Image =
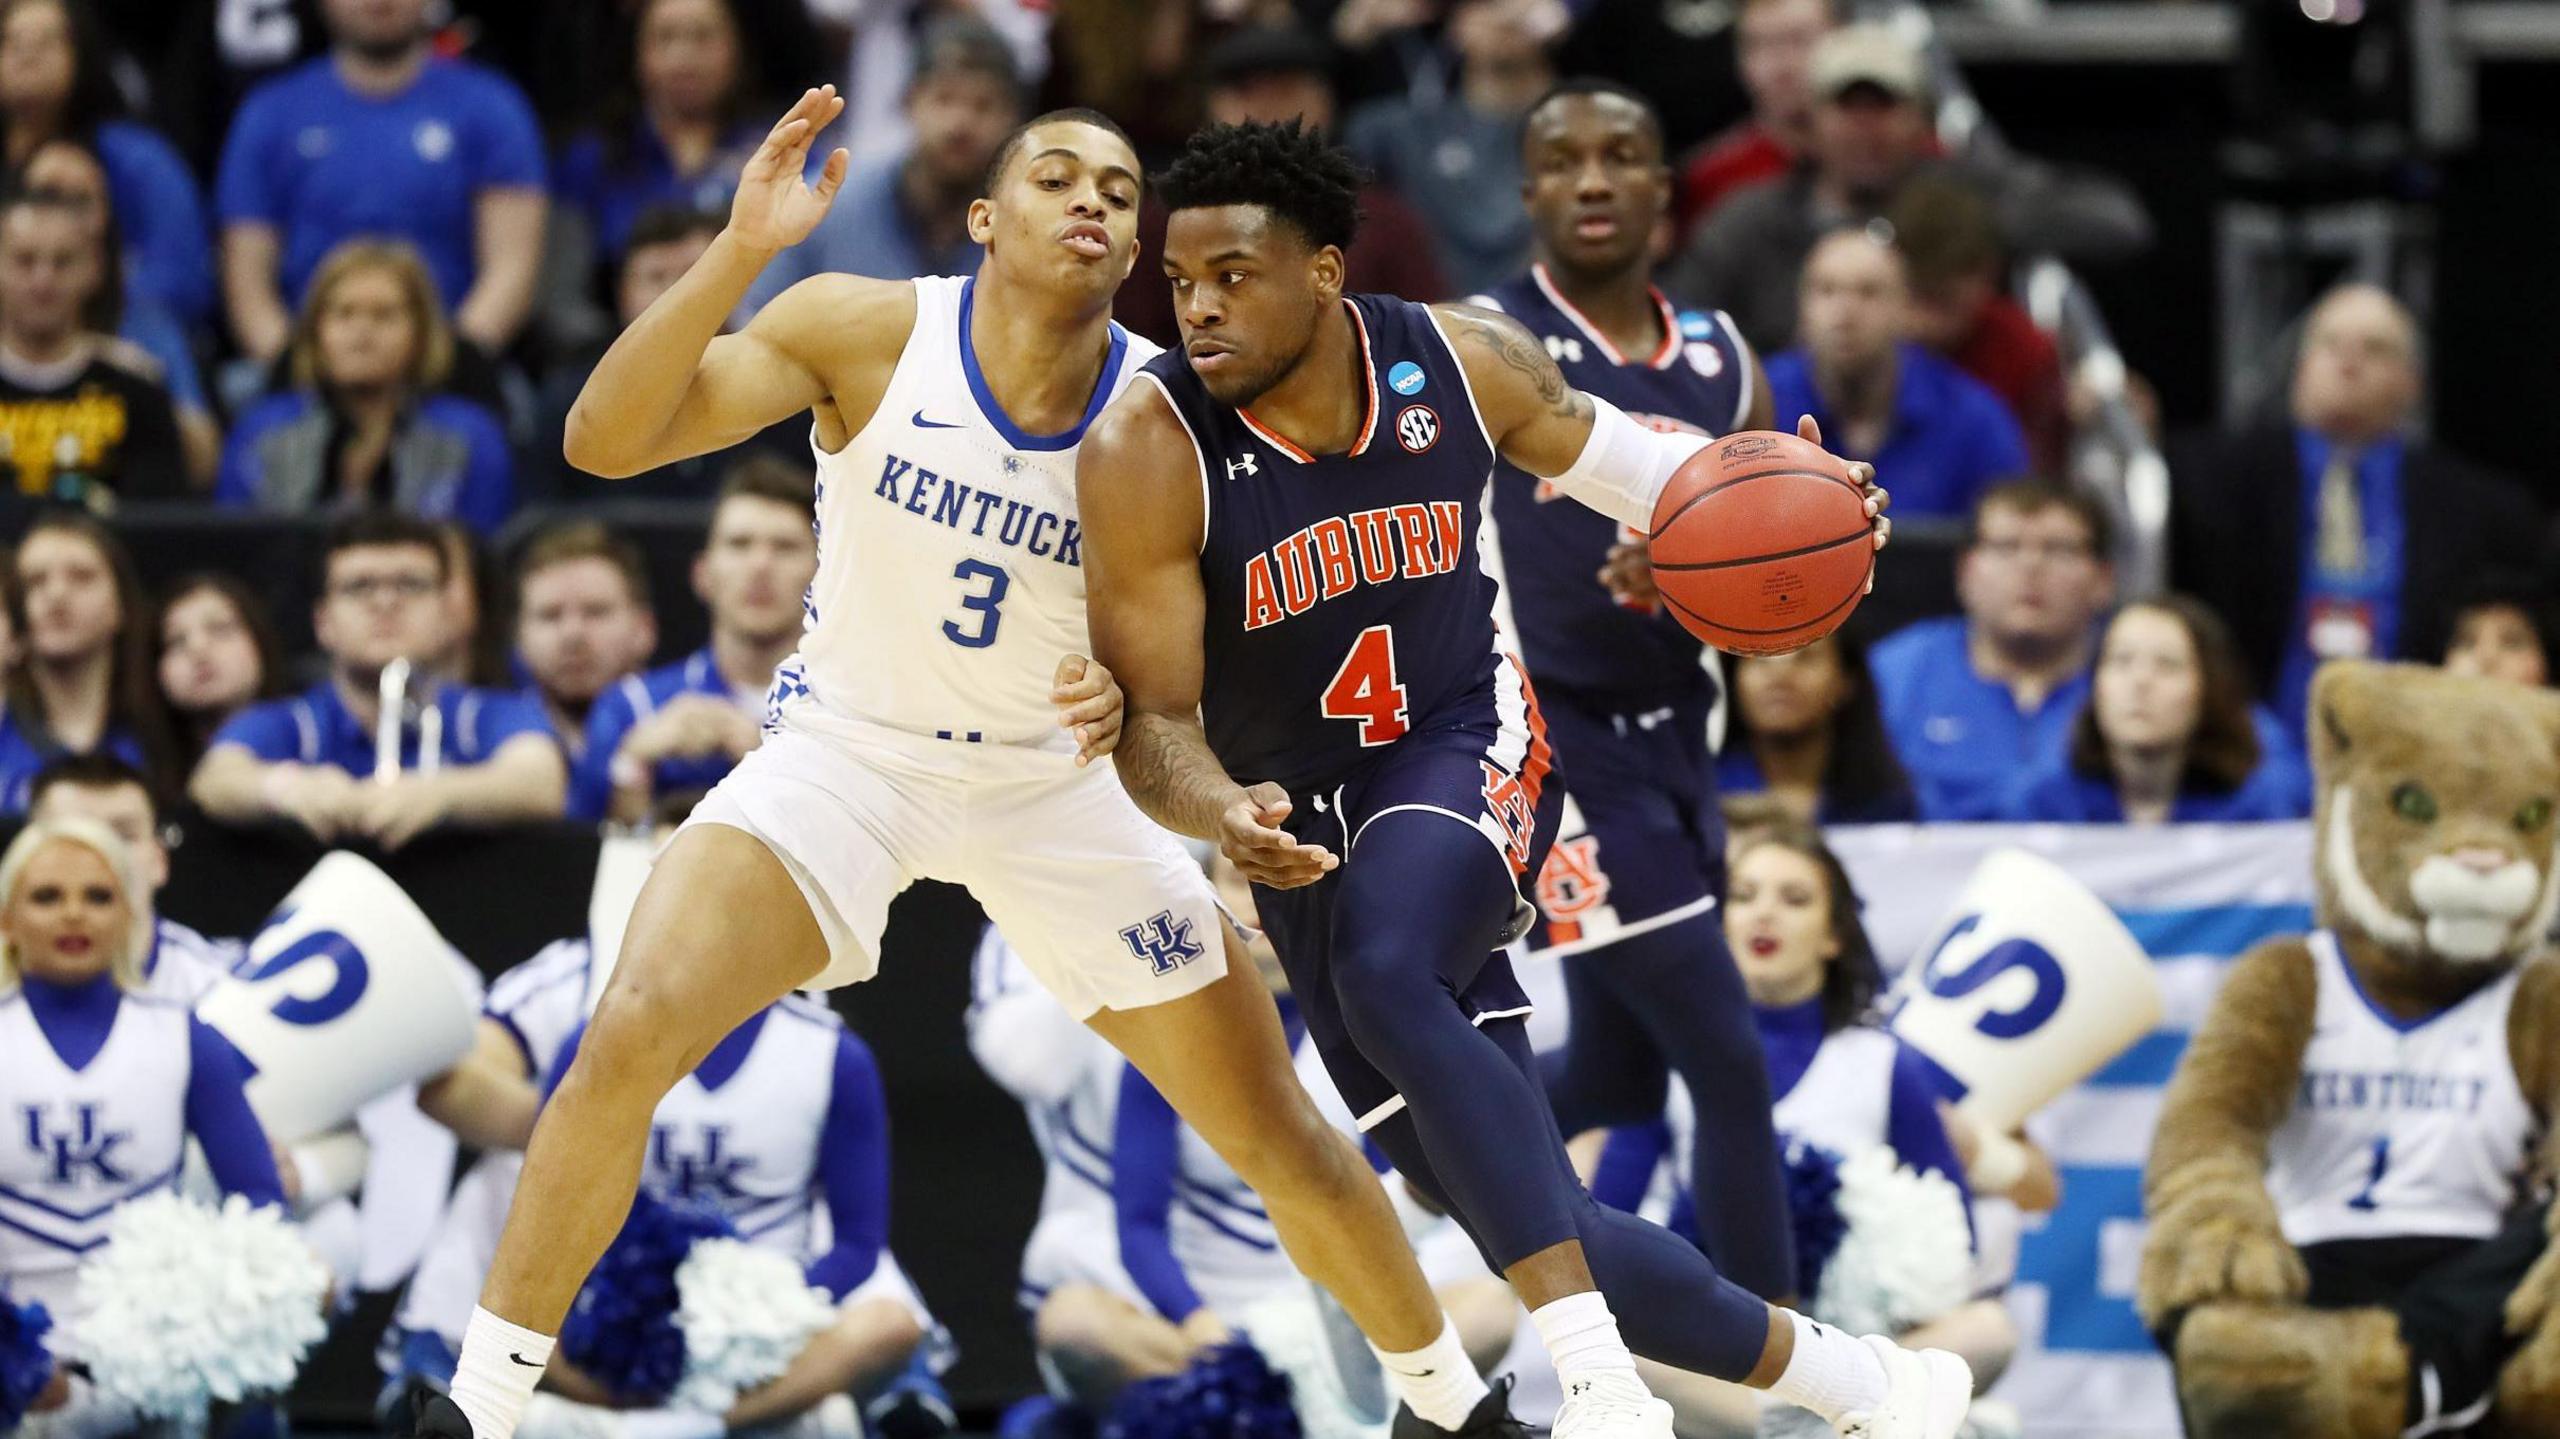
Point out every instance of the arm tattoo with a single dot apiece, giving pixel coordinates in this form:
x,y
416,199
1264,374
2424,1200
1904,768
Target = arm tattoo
x,y
1166,766
1514,347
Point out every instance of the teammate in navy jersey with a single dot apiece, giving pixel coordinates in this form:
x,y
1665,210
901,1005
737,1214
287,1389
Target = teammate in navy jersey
x,y
1282,571
1627,895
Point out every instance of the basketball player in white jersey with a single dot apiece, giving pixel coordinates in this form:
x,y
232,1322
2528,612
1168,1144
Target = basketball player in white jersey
x,y
938,721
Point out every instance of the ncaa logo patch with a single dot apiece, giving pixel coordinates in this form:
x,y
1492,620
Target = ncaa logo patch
x,y
1406,378
1417,429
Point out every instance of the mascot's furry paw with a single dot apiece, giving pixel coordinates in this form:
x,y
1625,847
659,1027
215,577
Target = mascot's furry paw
x,y
2263,1371
2233,1255
2529,1387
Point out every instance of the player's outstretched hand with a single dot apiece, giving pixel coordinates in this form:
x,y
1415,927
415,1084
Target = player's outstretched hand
x,y
1249,835
775,205
1864,475
1089,704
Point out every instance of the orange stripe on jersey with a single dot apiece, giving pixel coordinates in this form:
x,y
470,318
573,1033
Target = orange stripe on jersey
x,y
1542,756
1369,380
1273,439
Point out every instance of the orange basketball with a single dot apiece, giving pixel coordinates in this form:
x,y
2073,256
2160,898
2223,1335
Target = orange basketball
x,y
1760,543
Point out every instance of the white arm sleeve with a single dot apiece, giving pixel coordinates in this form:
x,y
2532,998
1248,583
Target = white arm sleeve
x,y
1624,466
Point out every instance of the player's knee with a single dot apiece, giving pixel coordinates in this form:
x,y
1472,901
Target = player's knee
x,y
1382,982
642,1034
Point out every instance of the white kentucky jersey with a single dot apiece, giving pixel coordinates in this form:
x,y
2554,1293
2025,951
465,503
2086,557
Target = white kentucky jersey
x,y
950,560
1067,1079
2400,1127
184,966
748,1145
1844,1099
80,1142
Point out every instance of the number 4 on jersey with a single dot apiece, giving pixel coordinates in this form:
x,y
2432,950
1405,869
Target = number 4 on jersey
x,y
1365,688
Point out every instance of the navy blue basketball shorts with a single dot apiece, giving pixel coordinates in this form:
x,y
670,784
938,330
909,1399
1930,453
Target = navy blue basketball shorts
x,y
1487,786
1640,843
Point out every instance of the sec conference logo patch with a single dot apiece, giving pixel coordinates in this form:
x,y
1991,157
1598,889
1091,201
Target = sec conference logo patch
x,y
1417,429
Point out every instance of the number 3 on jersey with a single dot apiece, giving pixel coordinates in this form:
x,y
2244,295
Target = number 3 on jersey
x,y
983,605
1365,688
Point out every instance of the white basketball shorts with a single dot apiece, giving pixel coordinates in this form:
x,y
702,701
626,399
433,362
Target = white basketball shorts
x,y
1105,907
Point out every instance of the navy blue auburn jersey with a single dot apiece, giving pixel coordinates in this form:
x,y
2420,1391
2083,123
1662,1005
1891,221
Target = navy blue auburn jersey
x,y
1347,606
1571,633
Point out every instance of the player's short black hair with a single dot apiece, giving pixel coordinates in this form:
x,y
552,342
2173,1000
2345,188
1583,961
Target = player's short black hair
x,y
1289,169
1012,146
1593,85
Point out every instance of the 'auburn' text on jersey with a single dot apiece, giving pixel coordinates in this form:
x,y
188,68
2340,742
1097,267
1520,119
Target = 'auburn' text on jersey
x,y
1346,603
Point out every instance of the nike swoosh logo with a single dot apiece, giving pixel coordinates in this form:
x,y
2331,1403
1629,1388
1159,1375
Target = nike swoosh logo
x,y
520,1359
922,423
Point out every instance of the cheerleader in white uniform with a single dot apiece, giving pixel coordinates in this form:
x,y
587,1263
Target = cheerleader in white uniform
x,y
104,1084
784,1130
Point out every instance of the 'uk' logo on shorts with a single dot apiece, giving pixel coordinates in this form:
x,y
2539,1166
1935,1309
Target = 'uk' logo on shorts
x,y
1165,943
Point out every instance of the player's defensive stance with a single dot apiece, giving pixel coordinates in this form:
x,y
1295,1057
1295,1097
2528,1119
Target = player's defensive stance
x,y
936,722
1281,528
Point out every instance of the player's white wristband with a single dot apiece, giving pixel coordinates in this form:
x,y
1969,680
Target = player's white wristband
x,y
1624,466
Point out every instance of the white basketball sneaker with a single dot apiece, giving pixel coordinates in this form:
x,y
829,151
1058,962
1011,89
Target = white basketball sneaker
x,y
1612,1406
1926,1395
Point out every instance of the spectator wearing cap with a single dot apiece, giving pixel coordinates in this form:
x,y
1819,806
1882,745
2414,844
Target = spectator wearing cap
x,y
1872,134
1455,153
908,215
2336,531
1774,42
382,138
1959,311
1273,73
1936,434
674,132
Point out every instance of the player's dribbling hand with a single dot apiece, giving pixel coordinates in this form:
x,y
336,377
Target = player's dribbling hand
x,y
1249,835
1089,706
775,205
1864,476
1627,574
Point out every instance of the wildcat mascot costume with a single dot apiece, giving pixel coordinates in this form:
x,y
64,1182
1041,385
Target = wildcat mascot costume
x,y
2349,1191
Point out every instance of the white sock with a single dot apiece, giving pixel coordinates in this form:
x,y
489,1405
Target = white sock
x,y
501,1362
1582,1338
1831,1373
1438,1381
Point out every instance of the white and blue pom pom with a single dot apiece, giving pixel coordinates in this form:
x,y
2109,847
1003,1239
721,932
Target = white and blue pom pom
x,y
1907,1255
746,1314
187,1305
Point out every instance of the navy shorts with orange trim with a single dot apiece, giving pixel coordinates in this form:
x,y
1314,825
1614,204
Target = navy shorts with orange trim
x,y
1450,770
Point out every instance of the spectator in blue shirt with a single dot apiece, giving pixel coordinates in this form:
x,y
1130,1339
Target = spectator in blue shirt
x,y
674,133
218,655
79,674
1969,700
381,138
1804,727
469,756
900,218
583,622
55,85
2166,735
1937,433
75,174
366,423
667,735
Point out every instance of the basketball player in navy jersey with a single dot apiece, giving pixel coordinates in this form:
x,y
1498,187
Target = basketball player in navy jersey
x,y
1628,892
1282,571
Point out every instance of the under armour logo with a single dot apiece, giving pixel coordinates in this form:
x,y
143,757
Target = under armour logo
x,y
1166,944
1564,349
80,1150
705,1173
1244,466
